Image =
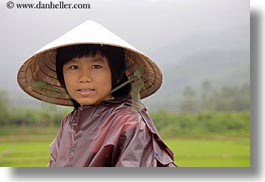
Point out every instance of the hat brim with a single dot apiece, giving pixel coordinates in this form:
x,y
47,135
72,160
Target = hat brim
x,y
38,78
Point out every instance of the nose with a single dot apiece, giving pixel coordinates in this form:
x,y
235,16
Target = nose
x,y
84,76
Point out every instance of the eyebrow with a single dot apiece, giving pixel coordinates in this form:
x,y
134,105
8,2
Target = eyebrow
x,y
97,59
93,59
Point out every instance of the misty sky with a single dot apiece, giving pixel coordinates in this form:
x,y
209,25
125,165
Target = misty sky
x,y
149,25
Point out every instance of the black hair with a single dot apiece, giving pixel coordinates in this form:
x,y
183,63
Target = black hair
x,y
114,55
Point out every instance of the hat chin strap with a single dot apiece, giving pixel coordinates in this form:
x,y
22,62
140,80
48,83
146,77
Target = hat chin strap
x,y
137,84
136,88
122,85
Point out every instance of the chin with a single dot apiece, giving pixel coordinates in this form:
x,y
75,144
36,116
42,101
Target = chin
x,y
84,103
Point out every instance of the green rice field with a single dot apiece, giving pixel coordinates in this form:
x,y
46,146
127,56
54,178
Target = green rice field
x,y
211,152
28,147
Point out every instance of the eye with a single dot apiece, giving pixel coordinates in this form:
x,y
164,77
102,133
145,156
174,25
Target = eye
x,y
73,67
96,66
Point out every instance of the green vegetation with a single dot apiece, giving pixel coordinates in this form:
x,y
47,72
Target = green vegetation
x,y
24,154
28,147
202,124
210,131
197,140
210,99
215,152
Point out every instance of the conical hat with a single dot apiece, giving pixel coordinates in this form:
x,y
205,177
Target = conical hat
x,y
37,75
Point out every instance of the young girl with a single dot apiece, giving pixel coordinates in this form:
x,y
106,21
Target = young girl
x,y
103,78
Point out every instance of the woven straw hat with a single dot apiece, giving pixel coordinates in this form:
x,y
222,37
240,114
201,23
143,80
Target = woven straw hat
x,y
37,75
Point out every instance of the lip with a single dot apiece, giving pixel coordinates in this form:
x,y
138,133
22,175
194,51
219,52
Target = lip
x,y
85,91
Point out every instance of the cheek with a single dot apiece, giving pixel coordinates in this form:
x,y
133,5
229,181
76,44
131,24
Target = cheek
x,y
68,80
109,80
106,81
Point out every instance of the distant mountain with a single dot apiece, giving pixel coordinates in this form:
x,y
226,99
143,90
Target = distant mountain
x,y
222,59
220,68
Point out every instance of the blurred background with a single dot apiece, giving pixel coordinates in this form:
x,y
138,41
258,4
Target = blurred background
x,y
202,110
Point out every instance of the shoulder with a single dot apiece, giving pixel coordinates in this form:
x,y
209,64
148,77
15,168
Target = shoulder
x,y
127,116
136,113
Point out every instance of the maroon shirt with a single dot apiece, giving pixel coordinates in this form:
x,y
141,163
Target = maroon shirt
x,y
109,135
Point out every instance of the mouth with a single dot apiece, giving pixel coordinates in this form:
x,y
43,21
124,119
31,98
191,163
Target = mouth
x,y
85,92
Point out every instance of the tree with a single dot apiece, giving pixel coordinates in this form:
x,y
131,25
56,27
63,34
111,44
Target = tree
x,y
4,107
206,94
189,103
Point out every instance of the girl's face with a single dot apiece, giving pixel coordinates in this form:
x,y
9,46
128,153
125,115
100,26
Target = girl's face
x,y
88,79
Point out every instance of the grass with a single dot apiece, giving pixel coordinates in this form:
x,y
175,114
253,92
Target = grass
x,y
25,146
28,147
211,152
24,154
